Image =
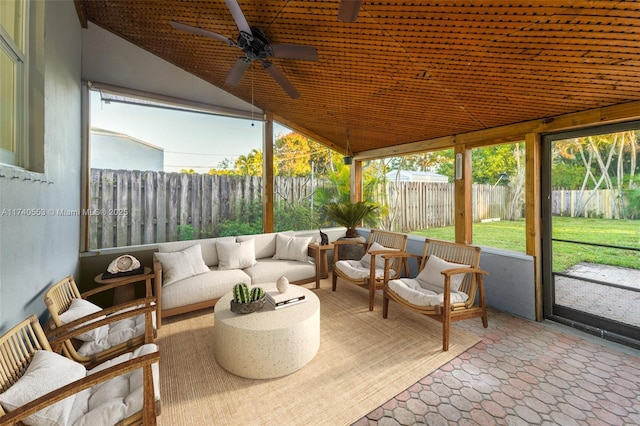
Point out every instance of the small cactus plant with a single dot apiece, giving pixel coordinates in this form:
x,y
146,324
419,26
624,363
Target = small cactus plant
x,y
242,294
256,293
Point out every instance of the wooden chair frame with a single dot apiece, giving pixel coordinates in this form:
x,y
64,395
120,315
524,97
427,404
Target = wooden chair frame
x,y
472,285
393,240
20,343
58,299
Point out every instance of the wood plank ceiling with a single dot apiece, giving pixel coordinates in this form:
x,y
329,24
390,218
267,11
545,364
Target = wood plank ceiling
x,y
404,71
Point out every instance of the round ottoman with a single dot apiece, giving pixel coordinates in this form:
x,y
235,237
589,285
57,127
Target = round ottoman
x,y
268,343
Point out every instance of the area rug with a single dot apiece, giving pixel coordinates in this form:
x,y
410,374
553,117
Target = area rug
x,y
363,361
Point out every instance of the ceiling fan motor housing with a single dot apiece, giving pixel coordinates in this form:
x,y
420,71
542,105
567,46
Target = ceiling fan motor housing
x,y
255,45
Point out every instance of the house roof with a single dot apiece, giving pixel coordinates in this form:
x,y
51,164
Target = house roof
x,y
403,71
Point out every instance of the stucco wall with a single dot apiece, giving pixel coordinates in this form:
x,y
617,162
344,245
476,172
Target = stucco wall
x,y
38,250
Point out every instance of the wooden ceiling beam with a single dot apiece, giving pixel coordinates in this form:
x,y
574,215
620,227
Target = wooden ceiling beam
x,y
514,132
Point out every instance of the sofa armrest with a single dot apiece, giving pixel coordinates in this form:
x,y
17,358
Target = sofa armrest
x,y
157,289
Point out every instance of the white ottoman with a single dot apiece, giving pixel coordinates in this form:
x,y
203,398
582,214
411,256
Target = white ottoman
x,y
268,343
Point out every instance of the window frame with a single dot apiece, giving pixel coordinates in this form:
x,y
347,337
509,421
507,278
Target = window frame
x,y
18,53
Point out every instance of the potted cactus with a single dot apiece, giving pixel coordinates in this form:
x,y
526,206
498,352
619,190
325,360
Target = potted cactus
x,y
247,300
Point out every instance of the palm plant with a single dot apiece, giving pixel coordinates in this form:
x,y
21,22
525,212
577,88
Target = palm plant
x,y
351,215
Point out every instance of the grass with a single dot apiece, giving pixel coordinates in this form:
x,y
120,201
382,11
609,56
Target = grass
x,y
510,235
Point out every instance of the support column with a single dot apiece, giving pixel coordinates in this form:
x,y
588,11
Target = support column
x,y
355,182
533,218
267,175
463,213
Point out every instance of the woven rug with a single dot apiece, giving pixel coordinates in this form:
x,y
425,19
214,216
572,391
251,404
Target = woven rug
x,y
363,361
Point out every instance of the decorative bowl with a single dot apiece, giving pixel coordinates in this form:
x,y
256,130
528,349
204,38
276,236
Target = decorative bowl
x,y
247,308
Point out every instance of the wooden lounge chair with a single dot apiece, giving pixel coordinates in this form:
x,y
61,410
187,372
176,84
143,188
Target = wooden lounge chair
x,y
369,271
445,290
27,358
113,336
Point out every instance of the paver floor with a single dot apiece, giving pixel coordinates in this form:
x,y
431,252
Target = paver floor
x,y
523,373
618,304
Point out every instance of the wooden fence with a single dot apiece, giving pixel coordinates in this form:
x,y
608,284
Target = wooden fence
x,y
131,207
136,207
141,207
595,203
422,205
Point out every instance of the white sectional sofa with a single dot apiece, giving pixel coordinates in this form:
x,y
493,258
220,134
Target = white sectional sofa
x,y
191,275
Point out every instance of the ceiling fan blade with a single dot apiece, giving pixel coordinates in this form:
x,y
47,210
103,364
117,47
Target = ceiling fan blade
x,y
281,79
238,16
349,10
235,75
293,51
199,31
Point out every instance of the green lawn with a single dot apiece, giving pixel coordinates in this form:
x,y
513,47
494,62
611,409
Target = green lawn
x,y
510,235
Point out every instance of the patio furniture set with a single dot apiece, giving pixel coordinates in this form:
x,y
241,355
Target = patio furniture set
x,y
85,353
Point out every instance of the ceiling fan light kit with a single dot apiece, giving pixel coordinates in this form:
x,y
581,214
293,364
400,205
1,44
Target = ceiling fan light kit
x,y
256,47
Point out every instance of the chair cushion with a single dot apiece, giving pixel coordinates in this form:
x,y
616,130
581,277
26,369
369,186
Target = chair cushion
x,y
366,259
290,247
355,270
114,400
182,264
412,291
80,308
46,372
117,332
238,255
431,277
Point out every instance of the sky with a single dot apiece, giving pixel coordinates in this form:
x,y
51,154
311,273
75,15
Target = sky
x,y
190,140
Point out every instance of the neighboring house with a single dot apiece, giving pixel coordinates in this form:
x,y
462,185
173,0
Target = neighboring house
x,y
414,176
119,151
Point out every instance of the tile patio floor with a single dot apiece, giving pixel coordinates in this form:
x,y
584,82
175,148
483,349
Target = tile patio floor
x,y
523,373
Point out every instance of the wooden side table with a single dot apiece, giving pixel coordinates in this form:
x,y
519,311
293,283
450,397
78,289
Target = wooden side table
x,y
124,292
319,253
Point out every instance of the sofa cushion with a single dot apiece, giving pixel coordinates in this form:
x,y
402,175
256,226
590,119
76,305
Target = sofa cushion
x,y
81,308
179,265
208,246
238,255
265,244
210,286
46,372
289,247
269,270
431,277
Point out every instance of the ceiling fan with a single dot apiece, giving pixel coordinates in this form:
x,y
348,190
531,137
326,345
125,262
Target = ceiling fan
x,y
256,47
349,9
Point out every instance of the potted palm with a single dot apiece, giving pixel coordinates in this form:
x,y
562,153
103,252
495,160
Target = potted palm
x,y
351,215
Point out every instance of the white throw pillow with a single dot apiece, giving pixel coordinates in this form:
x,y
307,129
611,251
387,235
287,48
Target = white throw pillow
x,y
431,278
236,255
183,264
81,308
366,259
292,248
47,372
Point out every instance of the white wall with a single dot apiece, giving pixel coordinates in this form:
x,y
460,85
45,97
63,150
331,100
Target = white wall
x,y
109,59
36,251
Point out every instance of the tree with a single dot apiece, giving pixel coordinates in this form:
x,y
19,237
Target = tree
x,y
251,164
607,161
296,156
